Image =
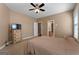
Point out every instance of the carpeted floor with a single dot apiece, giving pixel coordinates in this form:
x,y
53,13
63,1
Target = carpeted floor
x,y
57,46
44,45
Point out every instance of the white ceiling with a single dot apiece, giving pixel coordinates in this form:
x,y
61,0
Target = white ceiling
x,y
51,8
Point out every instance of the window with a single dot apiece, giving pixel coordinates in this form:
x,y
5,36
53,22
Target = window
x,y
76,26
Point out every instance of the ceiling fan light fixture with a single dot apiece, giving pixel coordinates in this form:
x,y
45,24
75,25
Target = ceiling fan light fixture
x,y
36,10
37,7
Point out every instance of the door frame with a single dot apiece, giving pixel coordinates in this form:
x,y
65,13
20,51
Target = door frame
x,y
48,24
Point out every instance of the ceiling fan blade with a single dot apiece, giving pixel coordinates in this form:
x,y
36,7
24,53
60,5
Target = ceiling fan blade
x,y
32,4
31,9
42,9
41,5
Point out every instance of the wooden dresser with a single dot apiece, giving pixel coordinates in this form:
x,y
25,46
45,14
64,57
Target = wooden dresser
x,y
16,36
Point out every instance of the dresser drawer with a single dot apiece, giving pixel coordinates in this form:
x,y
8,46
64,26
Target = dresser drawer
x,y
17,40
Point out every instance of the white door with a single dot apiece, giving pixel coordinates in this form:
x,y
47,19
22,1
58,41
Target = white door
x,y
35,29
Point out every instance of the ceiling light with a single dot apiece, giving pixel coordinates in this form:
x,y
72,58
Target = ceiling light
x,y
36,10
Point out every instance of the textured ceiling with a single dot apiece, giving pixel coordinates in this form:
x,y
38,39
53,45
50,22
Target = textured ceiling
x,y
51,8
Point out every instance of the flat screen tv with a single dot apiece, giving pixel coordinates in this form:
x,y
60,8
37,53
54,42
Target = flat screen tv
x,y
15,26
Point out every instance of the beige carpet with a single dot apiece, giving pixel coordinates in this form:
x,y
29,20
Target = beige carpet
x,y
57,46
44,45
19,48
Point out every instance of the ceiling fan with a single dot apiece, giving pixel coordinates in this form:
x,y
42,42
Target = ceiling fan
x,y
37,7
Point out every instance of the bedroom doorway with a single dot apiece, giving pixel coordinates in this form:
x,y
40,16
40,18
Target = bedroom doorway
x,y
39,29
50,28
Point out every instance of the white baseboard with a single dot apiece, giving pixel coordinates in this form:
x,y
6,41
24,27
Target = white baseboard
x,y
28,37
1,47
8,42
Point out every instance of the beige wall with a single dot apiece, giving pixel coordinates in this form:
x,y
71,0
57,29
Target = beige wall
x,y
26,22
8,17
4,22
63,21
